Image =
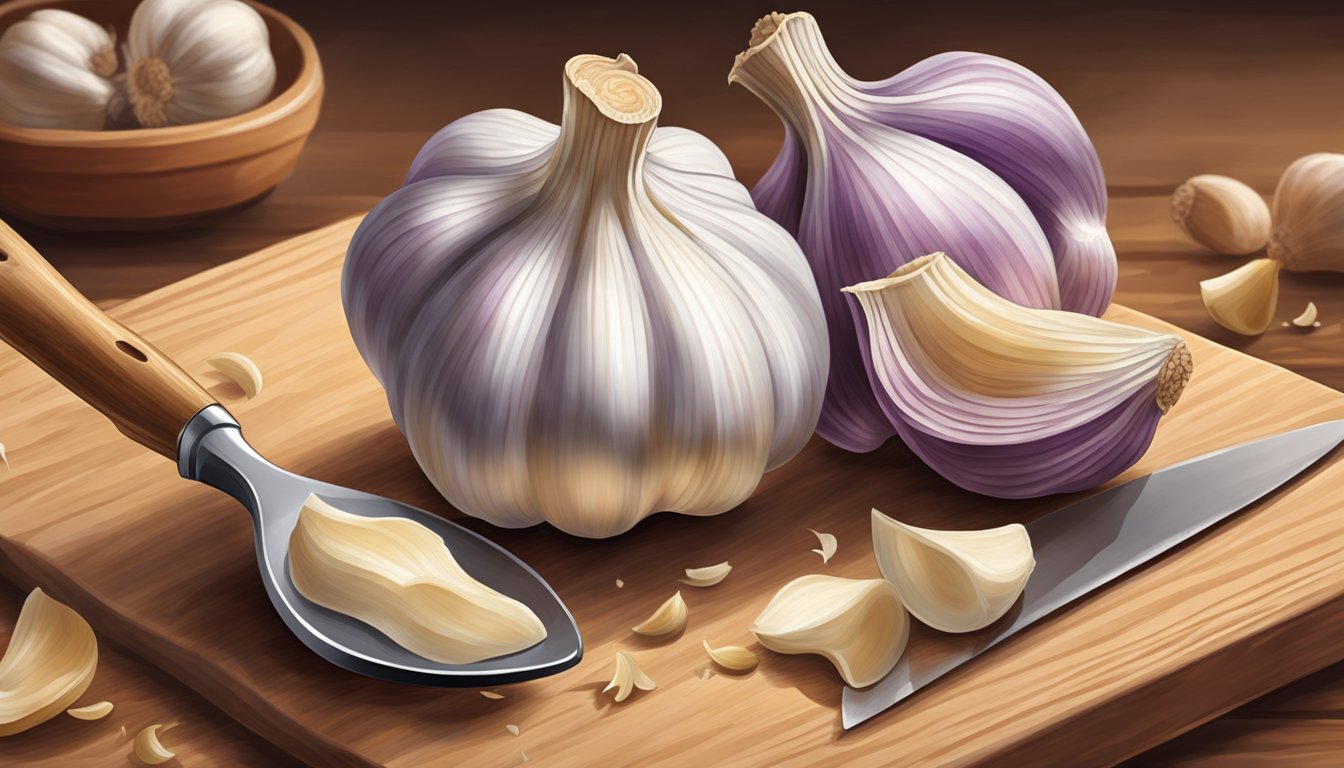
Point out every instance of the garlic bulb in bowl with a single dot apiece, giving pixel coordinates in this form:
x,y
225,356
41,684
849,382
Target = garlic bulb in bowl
x,y
586,323
189,61
54,71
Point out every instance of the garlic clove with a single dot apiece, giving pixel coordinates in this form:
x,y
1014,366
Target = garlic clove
x,y
707,576
1308,317
1309,215
954,581
48,665
828,545
148,749
96,711
859,625
1221,214
513,729
732,657
1243,300
627,677
1010,401
396,575
54,70
240,369
670,617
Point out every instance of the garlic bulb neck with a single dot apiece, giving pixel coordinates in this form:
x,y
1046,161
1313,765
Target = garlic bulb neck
x,y
149,85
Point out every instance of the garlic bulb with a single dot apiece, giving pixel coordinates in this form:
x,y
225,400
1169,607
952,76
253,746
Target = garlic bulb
x,y
48,665
1309,215
954,581
1244,300
963,153
857,624
398,576
589,323
194,60
1010,401
54,71
1221,214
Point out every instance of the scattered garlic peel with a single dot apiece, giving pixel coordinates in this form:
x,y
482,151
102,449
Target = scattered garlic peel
x,y
95,711
398,576
627,677
732,657
707,576
954,581
48,665
828,545
511,728
149,749
859,625
620,583
240,369
1243,300
492,695
1308,317
670,617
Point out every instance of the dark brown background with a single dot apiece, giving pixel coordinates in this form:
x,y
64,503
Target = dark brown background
x,y
1167,90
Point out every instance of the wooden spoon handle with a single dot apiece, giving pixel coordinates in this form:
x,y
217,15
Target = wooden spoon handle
x,y
108,366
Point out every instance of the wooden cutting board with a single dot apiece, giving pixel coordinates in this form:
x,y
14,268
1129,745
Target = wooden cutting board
x,y
166,568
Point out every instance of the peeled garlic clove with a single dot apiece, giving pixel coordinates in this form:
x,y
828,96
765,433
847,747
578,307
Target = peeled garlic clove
x,y
1244,300
398,576
828,545
627,677
48,665
54,70
732,657
148,749
1010,401
1221,214
513,729
670,617
1309,215
859,625
954,581
240,369
707,576
95,711
1308,317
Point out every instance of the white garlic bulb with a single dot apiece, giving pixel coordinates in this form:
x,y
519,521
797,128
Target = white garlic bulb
x,y
586,323
189,61
54,71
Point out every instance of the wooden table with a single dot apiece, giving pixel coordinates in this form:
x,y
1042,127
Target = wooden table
x,y
1166,91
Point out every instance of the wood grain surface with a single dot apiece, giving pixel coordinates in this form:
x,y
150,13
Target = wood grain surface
x,y
166,567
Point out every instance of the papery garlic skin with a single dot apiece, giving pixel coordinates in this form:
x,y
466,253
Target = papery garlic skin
x,y
398,576
864,197
189,61
55,70
954,581
50,662
1222,214
857,624
1309,215
589,323
1009,401
1243,300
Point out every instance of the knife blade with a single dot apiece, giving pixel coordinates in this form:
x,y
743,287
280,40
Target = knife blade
x,y
1085,545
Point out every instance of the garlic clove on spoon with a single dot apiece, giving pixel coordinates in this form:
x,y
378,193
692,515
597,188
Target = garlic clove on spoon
x,y
1243,300
1309,215
48,665
55,70
1222,214
859,625
954,581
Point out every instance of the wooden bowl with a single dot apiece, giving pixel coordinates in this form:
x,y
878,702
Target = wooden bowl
x,y
148,178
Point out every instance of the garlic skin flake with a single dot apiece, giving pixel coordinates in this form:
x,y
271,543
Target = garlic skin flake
x,y
588,323
148,749
48,665
732,657
962,152
1243,301
398,576
829,545
707,576
1009,401
240,369
95,711
670,617
857,624
54,72
954,581
627,677
1222,214
1309,215
1308,317
189,61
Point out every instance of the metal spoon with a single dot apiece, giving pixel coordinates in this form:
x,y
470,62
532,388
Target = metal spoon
x,y
158,405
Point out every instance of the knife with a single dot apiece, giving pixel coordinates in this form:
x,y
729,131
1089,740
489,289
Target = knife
x,y
1084,546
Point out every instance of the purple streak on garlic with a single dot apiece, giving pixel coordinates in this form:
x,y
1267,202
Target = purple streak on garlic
x,y
586,323
864,198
